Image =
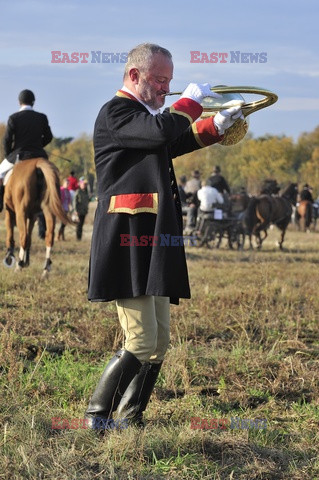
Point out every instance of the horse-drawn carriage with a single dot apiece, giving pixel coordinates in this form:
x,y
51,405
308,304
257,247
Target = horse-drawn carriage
x,y
248,216
224,222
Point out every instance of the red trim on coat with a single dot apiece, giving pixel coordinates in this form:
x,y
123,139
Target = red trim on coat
x,y
188,108
122,93
134,203
205,132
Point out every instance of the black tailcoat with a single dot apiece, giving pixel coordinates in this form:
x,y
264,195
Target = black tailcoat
x,y
138,196
26,134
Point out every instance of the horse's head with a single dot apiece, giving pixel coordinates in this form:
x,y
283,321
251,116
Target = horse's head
x,y
270,187
291,193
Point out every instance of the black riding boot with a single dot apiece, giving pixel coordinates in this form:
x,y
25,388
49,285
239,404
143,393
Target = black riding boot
x,y
115,379
1,197
138,393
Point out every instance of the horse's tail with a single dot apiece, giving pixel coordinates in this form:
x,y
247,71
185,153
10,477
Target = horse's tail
x,y
250,217
52,192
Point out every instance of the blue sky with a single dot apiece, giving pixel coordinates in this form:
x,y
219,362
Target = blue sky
x,y
72,94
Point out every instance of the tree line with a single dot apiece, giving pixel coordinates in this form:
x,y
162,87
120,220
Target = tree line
x,y
254,160
246,164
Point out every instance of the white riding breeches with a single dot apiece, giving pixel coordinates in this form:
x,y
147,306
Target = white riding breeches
x,y
5,166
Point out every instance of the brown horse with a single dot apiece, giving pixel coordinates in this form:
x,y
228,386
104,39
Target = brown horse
x,y
266,210
33,186
304,214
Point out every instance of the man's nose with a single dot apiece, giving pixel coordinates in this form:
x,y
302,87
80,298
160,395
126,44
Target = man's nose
x,y
165,86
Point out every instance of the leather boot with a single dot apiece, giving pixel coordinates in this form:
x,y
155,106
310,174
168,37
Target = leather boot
x,y
138,393
1,196
115,379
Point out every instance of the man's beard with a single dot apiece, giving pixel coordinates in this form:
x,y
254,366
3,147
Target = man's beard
x,y
150,96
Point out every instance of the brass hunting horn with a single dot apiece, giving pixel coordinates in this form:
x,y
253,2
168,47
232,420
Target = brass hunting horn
x,y
239,129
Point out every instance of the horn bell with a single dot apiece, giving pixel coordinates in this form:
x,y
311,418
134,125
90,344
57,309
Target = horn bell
x,y
239,129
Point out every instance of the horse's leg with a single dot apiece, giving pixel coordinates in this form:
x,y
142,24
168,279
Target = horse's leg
x,y
265,236
303,223
250,241
256,232
22,224
30,225
262,227
309,215
282,238
49,240
9,222
297,219
258,240
314,224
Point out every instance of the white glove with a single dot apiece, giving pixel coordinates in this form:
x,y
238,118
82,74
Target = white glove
x,y
226,118
198,91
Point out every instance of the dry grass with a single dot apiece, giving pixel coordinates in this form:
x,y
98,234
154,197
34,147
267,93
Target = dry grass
x,y
246,345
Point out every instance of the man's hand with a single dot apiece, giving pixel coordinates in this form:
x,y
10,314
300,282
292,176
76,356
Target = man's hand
x,y
226,118
198,91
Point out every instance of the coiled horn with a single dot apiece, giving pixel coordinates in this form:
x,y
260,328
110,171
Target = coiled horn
x,y
239,129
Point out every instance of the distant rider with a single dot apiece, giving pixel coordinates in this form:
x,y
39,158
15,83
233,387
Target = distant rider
x,y
306,194
26,134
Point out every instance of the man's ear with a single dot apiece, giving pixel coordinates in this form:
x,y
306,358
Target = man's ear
x,y
134,75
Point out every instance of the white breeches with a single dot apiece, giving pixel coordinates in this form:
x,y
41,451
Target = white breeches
x,y
5,166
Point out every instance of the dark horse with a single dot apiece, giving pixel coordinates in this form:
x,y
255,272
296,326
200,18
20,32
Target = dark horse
x,y
265,210
33,186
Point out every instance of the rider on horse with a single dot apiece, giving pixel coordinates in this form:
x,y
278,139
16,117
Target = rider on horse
x,y
26,134
305,193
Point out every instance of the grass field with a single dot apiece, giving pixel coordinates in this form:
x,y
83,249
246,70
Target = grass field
x,y
245,347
